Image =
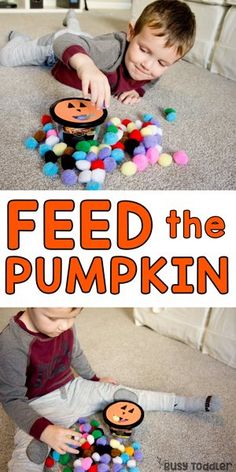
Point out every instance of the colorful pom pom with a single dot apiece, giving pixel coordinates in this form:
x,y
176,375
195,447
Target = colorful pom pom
x,y
141,162
31,143
109,164
129,168
181,158
46,119
82,146
69,177
165,160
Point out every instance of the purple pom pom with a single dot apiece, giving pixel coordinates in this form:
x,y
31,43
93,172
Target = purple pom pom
x,y
155,122
151,141
91,156
102,441
87,427
109,164
69,177
139,150
105,458
138,455
104,152
82,420
103,468
117,467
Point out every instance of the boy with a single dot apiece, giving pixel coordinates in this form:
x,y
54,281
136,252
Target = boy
x,y
124,65
39,392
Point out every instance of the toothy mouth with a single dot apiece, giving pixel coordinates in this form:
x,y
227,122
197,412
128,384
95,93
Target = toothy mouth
x,y
82,117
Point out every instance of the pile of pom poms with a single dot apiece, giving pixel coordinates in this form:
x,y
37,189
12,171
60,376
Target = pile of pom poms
x,y
88,162
97,453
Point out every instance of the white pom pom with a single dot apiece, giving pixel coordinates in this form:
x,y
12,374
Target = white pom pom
x,y
98,175
131,463
85,176
139,124
119,134
52,140
96,457
82,164
117,460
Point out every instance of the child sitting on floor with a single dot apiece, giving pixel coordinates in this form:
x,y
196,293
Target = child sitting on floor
x,y
40,393
124,65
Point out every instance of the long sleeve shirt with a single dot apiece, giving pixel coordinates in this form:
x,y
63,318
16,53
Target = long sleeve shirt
x,y
32,365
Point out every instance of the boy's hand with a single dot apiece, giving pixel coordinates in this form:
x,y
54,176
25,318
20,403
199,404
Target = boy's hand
x,y
92,79
109,380
129,97
59,439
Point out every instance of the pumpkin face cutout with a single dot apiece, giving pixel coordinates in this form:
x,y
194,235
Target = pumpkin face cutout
x,y
76,113
123,414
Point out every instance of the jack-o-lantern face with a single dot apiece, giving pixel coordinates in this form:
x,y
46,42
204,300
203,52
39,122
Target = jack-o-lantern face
x,y
77,112
123,414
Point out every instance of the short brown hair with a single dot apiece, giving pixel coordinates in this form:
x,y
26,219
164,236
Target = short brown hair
x,y
173,19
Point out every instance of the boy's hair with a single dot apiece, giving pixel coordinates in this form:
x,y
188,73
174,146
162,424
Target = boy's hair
x,y
173,19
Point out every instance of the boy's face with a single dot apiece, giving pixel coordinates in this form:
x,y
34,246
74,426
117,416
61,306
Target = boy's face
x,y
50,321
147,58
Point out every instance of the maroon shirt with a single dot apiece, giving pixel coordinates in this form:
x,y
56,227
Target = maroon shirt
x,y
119,80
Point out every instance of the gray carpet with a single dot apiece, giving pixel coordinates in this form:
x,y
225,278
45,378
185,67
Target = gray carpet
x,y
205,126
141,358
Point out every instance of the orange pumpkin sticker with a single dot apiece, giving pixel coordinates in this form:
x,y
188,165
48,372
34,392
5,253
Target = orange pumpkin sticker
x,y
77,112
123,414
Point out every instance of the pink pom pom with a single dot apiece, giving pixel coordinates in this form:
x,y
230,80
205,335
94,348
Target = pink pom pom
x,y
181,158
152,155
51,132
141,161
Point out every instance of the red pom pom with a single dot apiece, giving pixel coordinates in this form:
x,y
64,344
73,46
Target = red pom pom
x,y
49,462
46,119
118,145
85,445
136,135
147,123
126,122
98,164
93,468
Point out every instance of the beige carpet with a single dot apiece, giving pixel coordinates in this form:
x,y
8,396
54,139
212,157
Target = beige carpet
x,y
142,358
205,126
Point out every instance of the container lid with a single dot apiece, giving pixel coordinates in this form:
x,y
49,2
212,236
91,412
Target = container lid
x,y
77,113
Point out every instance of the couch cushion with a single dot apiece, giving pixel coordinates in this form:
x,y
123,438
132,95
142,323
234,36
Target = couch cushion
x,y
224,58
220,338
208,19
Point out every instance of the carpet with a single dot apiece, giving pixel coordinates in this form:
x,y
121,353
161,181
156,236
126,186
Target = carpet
x,y
141,358
205,126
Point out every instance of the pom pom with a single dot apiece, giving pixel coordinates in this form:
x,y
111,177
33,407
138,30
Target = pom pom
x,y
105,458
141,162
50,132
83,146
44,148
126,122
103,468
155,122
95,455
98,164
67,162
129,450
69,150
117,467
117,460
138,455
151,141
136,135
69,177
79,155
104,152
50,169
84,177
93,142
94,149
49,462
118,155
149,130
136,445
129,168
171,117
102,441
181,158
118,146
120,134
82,420
130,144
59,148
56,456
131,127
91,156
52,140
165,160
47,127
124,457
109,164
83,164
131,463
138,124
152,155
112,129
98,175
40,136
116,121
90,439
86,463
46,119
139,149
110,138
31,143
50,156
169,110
103,145
147,117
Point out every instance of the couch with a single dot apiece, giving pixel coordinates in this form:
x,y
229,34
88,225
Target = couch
x,y
215,45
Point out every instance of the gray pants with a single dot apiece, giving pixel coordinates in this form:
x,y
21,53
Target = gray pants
x,y
78,398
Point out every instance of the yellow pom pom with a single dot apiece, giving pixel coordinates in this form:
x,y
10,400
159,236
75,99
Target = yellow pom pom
x,y
129,450
59,148
116,121
128,168
101,146
94,149
131,126
114,443
165,160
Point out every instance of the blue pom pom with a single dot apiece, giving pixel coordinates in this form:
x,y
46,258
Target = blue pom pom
x,y
44,148
136,445
56,456
47,127
69,177
31,143
93,185
110,138
50,169
147,117
125,457
79,155
171,116
118,154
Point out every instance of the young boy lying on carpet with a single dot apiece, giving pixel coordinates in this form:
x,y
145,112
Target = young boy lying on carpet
x,y
124,65
40,393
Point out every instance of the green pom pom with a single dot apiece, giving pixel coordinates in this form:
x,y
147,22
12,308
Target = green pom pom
x,y
64,459
112,129
83,146
169,110
97,433
93,142
95,423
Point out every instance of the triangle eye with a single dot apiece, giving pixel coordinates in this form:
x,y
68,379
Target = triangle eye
x,y
70,105
82,105
131,411
124,407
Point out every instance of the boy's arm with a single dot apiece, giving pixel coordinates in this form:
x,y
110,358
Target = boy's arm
x,y
80,362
